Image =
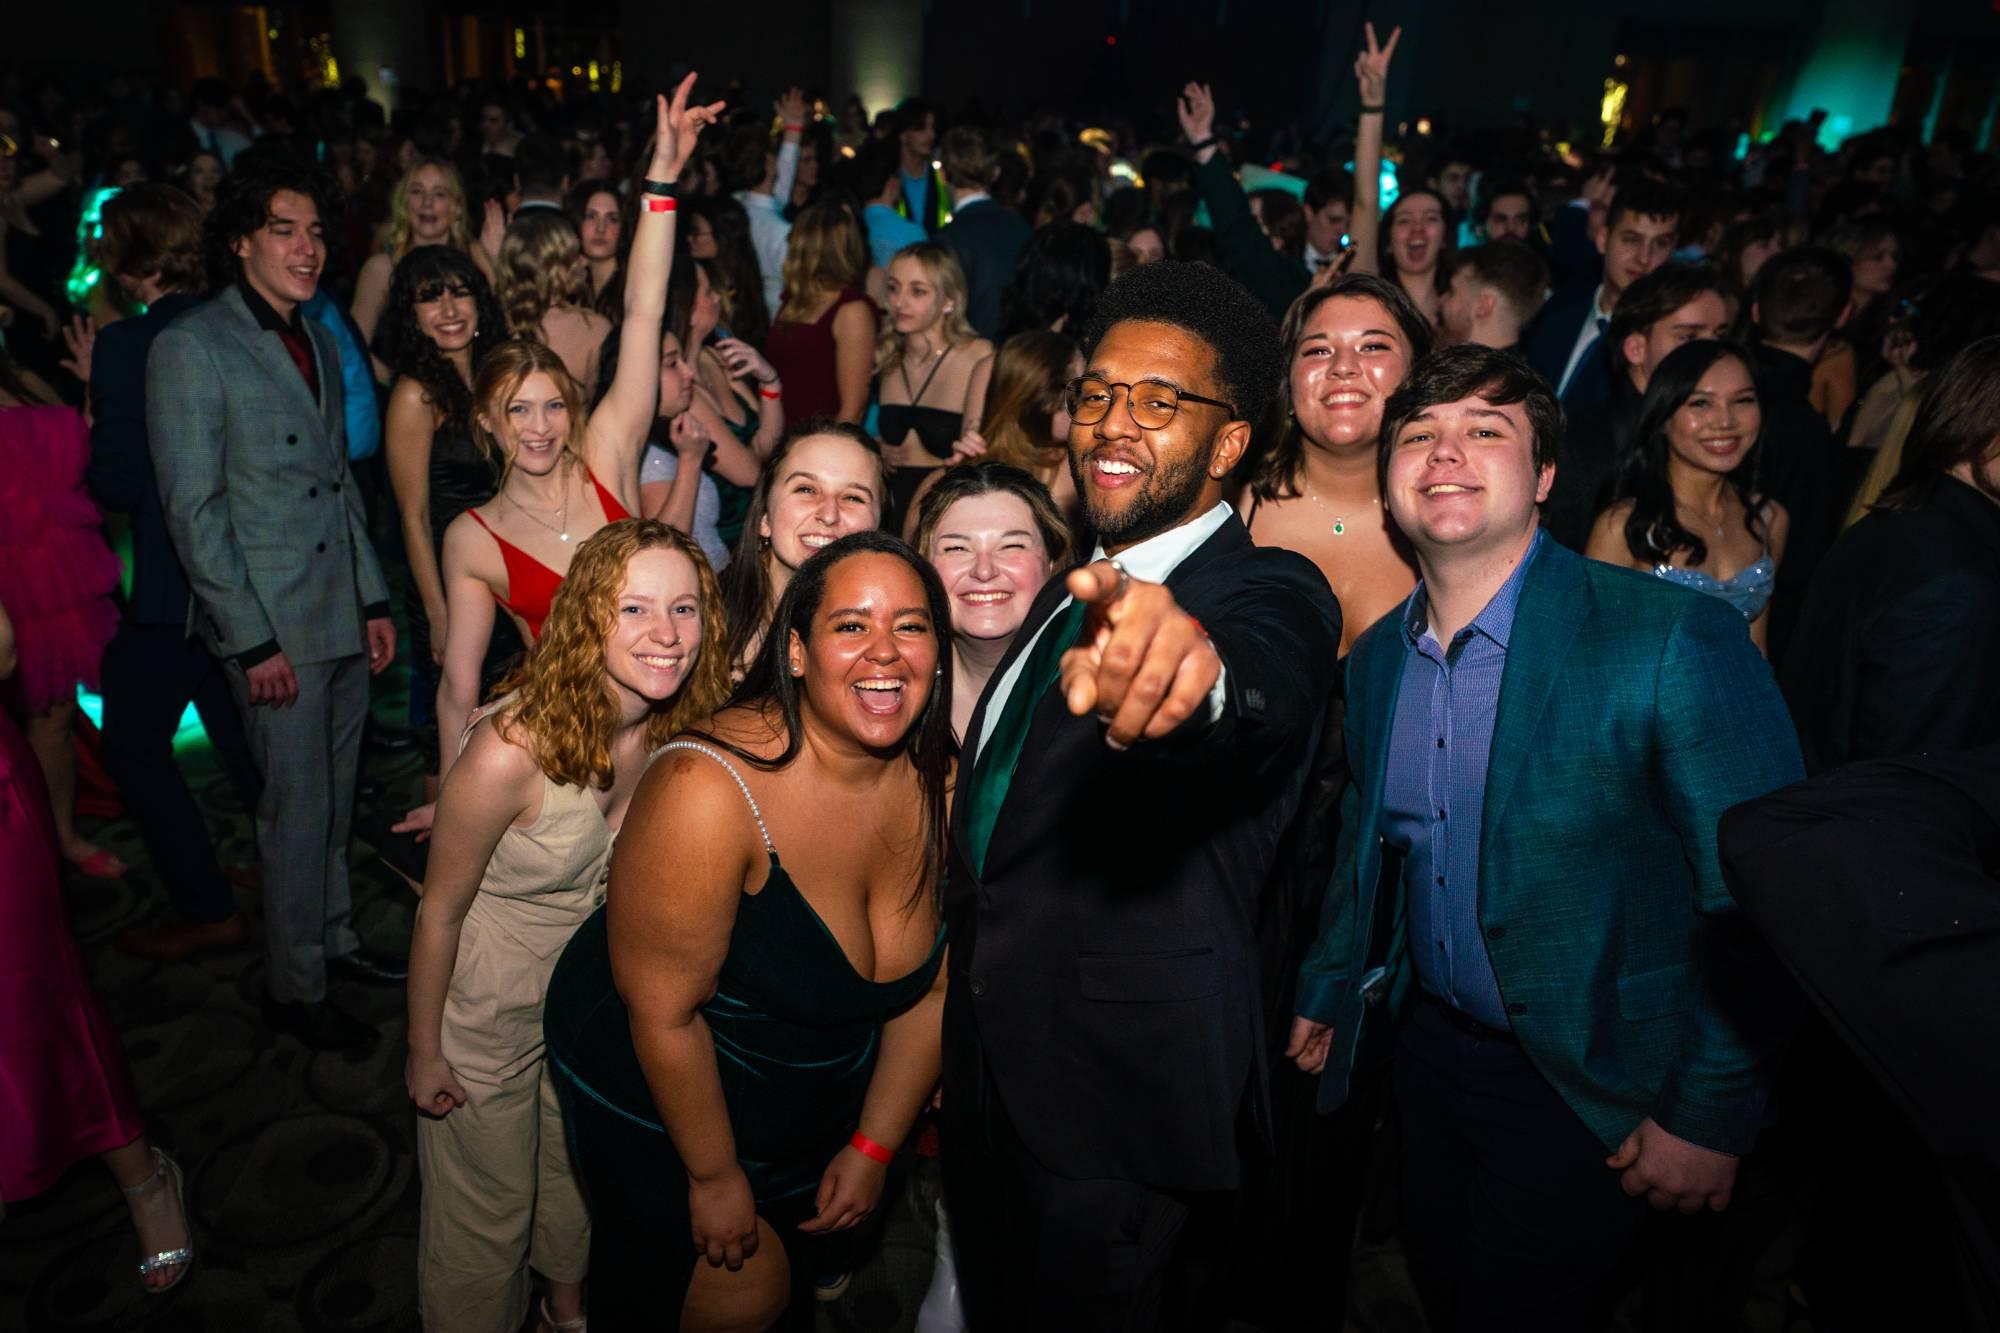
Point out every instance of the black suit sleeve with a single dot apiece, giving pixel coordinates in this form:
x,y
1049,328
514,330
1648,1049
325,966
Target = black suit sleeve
x,y
1276,628
1245,250
1926,667
120,467
1876,885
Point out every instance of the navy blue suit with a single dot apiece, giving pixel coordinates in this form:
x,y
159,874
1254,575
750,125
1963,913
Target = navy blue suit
x,y
152,669
1552,337
988,239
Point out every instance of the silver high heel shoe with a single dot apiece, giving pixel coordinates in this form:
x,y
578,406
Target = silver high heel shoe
x,y
165,1166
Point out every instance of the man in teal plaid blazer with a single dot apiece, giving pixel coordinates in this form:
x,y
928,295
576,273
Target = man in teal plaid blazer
x,y
1527,886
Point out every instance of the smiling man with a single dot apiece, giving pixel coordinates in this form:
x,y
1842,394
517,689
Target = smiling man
x,y
244,417
1541,747
1122,790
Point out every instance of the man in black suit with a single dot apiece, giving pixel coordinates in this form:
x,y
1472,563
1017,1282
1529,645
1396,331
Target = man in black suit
x,y
1802,297
1893,656
986,235
1895,648
153,668
1567,343
1879,886
1104,1043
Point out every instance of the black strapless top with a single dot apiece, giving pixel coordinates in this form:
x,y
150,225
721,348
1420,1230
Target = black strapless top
x,y
937,428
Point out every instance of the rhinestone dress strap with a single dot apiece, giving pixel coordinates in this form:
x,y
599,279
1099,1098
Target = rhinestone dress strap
x,y
741,785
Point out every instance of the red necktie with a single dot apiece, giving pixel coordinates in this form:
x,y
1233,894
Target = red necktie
x,y
302,357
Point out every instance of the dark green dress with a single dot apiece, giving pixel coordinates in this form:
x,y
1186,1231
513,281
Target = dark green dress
x,y
796,1032
735,500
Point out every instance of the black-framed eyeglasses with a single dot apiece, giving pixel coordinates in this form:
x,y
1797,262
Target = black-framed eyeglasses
x,y
1152,403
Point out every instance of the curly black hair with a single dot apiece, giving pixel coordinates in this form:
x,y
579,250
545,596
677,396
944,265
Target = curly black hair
x,y
1215,308
243,204
406,349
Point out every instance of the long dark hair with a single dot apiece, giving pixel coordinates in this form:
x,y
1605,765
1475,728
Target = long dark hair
x,y
746,583
424,274
741,289
771,685
1447,246
1653,530
1957,418
1063,269
1277,472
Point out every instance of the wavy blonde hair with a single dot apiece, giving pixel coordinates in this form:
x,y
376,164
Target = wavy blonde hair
x,y
826,253
395,238
562,705
502,371
538,270
942,268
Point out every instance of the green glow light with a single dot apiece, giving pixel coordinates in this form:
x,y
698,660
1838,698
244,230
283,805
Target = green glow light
x,y
85,276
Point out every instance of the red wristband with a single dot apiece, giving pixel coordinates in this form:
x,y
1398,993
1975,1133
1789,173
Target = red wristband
x,y
795,129
659,203
867,1147
773,394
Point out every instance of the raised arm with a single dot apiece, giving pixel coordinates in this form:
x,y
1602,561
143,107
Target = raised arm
x,y
791,109
489,789
1371,73
469,610
618,428
679,870
745,362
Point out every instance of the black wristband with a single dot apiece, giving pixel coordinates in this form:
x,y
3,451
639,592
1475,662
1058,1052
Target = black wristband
x,y
661,189
1209,142
1377,109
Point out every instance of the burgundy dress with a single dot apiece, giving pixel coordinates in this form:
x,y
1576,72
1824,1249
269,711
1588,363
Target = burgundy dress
x,y
65,1091
802,354
57,573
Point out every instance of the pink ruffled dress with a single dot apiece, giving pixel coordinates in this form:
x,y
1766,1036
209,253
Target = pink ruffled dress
x,y
57,573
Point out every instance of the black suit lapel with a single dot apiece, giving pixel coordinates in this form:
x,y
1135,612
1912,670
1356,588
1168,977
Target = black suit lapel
x,y
1052,595
1058,743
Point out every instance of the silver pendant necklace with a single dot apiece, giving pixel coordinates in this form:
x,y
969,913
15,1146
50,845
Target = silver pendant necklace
x,y
561,526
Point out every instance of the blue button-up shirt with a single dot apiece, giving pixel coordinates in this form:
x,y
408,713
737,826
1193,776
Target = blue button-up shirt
x,y
1435,792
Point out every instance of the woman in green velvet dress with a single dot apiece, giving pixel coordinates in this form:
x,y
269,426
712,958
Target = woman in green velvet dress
x,y
744,1034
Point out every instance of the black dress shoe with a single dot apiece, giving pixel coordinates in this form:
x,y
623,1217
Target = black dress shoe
x,y
366,965
319,1025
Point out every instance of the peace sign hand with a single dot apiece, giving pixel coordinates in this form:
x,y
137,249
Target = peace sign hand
x,y
676,127
1197,112
1371,67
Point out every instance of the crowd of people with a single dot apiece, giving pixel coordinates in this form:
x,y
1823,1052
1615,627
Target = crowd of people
x,y
1230,708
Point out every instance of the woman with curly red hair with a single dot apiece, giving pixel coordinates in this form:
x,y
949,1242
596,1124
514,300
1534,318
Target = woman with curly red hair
x,y
632,653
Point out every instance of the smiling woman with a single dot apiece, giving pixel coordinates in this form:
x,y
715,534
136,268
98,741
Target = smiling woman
x,y
745,1032
820,485
631,656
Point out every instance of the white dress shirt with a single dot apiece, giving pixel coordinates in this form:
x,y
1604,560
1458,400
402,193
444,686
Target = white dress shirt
x,y
1594,327
1149,561
769,232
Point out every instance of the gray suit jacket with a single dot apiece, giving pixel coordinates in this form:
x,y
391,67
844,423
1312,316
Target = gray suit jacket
x,y
259,500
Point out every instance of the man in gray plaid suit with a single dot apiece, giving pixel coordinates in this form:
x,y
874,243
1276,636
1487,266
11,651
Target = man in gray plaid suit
x,y
244,416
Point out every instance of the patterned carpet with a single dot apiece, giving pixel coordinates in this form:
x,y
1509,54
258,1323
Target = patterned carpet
x,y
301,1168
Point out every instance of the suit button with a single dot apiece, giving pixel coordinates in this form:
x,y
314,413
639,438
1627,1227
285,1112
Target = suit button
x,y
320,547
1517,1008
291,439
1497,933
978,988
312,492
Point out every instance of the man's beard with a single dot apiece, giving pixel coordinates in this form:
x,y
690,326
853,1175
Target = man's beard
x,y
1166,499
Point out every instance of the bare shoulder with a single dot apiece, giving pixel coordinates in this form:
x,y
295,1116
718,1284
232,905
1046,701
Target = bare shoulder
x,y
497,763
470,548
